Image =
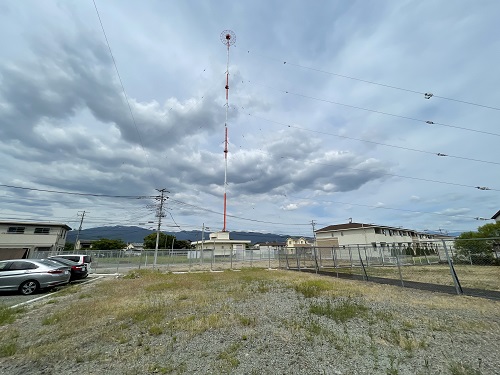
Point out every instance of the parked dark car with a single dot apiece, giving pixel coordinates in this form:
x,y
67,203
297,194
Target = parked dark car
x,y
30,275
78,270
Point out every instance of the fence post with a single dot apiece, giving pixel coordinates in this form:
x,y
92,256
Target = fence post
x,y
118,261
458,287
365,276
399,267
426,259
350,255
316,266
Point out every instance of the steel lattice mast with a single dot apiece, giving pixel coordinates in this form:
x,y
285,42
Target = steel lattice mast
x,y
228,38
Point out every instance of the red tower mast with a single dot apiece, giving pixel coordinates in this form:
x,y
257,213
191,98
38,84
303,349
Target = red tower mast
x,y
228,38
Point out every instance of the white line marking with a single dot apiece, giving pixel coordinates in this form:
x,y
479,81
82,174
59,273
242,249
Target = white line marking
x,y
49,294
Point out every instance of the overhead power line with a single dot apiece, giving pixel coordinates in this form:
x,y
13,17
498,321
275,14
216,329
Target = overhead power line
x,y
233,216
124,92
80,194
377,143
429,122
427,95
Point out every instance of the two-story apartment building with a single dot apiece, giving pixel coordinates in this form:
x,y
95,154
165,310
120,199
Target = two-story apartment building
x,y
371,235
24,239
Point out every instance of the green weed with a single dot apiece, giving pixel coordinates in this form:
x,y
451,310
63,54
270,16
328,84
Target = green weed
x,y
458,368
228,356
313,288
345,311
8,349
8,315
155,330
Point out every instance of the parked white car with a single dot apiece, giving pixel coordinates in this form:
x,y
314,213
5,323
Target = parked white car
x,y
78,258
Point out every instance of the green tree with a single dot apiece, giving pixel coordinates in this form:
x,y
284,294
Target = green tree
x,y
108,244
182,244
480,245
165,242
68,246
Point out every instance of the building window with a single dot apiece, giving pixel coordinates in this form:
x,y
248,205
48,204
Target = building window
x,y
378,231
42,230
16,230
374,245
341,233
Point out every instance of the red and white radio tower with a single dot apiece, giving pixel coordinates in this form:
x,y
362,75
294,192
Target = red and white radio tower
x,y
228,38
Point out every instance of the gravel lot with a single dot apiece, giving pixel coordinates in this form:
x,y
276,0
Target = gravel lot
x,y
252,322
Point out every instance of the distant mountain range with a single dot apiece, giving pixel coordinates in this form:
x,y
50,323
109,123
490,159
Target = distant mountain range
x,y
137,234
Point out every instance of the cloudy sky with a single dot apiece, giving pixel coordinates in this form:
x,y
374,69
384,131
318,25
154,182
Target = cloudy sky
x,y
326,118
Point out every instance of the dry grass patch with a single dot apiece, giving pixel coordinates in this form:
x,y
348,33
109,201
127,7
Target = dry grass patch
x,y
156,314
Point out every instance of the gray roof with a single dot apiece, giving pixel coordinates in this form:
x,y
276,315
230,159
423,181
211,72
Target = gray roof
x,y
35,223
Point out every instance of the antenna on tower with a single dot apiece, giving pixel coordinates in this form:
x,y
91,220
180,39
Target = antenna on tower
x,y
228,38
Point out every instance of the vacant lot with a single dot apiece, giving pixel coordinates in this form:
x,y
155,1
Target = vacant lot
x,y
250,322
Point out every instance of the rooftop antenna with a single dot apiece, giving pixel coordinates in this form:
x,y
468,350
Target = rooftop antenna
x,y
228,38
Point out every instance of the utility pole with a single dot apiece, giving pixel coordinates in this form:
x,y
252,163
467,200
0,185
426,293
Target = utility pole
x,y
79,229
159,213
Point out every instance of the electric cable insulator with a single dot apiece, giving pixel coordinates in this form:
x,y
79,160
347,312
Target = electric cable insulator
x,y
430,122
428,95
440,154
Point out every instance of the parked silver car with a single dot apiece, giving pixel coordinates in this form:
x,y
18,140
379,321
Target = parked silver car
x,y
29,275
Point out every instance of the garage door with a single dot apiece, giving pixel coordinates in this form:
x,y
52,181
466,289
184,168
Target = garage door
x,y
6,254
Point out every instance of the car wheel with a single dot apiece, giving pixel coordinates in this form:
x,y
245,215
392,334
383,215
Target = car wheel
x,y
28,287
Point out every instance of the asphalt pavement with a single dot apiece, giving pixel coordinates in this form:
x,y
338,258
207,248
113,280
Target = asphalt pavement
x,y
14,298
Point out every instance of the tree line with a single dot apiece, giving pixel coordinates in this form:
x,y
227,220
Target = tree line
x,y
166,241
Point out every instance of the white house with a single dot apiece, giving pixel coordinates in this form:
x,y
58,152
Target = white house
x,y
221,244
270,246
135,246
292,243
496,217
83,244
24,239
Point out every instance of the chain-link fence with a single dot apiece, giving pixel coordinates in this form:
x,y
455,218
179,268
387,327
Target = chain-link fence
x,y
119,261
454,266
